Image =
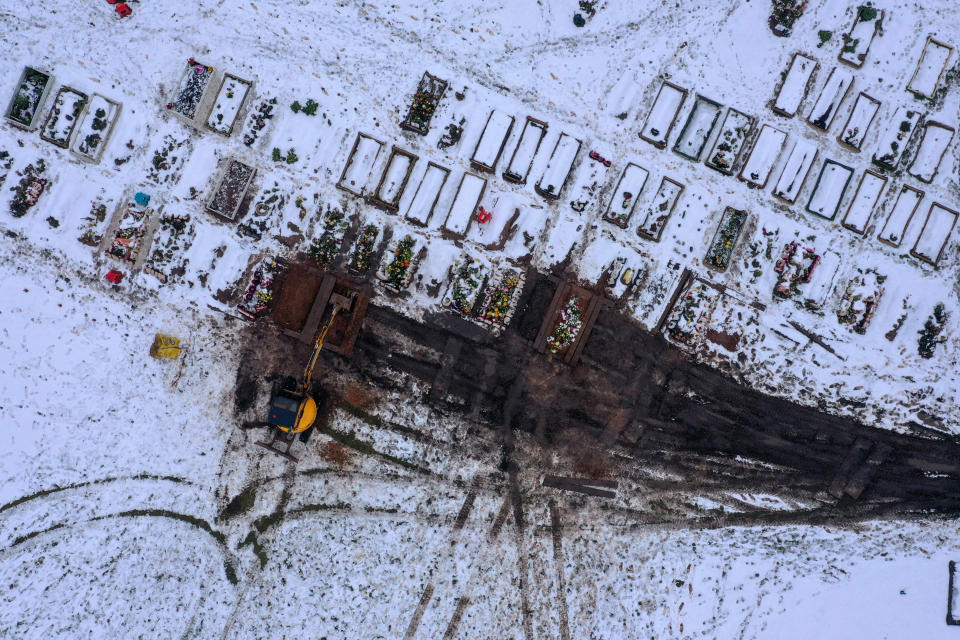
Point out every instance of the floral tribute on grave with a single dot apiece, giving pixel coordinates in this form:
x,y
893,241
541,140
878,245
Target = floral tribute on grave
x,y
259,293
95,127
92,229
325,248
28,190
193,84
424,104
568,326
131,228
784,14
363,249
397,273
795,267
930,334
725,240
62,118
860,300
170,242
690,315
257,121
28,97
500,300
467,278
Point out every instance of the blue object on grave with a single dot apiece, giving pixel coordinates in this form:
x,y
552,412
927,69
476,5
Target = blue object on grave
x,y
141,199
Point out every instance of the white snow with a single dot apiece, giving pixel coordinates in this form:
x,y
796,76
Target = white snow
x,y
794,87
795,170
555,174
766,150
356,173
394,179
894,140
864,201
698,128
624,197
62,119
935,234
825,108
523,154
424,200
91,139
226,106
660,208
492,140
933,145
933,61
465,203
858,123
662,114
860,37
730,141
900,215
829,189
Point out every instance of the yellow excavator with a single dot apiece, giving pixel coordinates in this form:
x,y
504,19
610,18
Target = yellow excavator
x,y
293,410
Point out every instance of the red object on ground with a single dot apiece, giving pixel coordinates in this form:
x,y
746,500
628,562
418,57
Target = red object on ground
x,y
483,215
115,276
123,9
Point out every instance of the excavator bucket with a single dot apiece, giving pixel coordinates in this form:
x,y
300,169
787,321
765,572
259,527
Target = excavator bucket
x,y
165,346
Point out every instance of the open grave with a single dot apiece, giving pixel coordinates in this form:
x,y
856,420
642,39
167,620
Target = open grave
x,y
27,101
230,189
555,174
394,180
856,42
834,91
465,203
900,215
656,129
429,92
725,239
930,68
95,127
698,128
729,144
829,188
228,104
356,172
623,199
896,138
763,156
933,146
935,234
858,122
864,201
191,90
492,140
795,170
568,322
521,160
795,85
62,120
661,207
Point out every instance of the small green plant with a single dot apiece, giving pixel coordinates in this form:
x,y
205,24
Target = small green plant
x,y
296,107
866,12
291,157
824,37
276,155
310,108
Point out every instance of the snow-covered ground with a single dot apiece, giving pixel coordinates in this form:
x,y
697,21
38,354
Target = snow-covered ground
x,y
115,468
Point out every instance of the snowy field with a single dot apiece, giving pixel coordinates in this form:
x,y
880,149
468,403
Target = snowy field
x,y
116,469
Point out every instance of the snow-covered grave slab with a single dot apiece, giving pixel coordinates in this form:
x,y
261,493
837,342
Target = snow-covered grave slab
x,y
191,89
557,171
725,239
698,128
903,209
465,203
526,150
424,103
935,234
864,201
492,140
428,192
133,216
25,105
766,150
170,242
895,139
856,43
832,94
467,278
366,149
795,85
933,145
227,105
930,68
795,170
230,189
729,144
663,114
59,126
624,198
95,128
660,208
858,123
829,189
394,180
500,298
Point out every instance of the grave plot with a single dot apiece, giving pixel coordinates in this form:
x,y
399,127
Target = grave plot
x,y
930,69
929,339
856,43
589,179
858,123
128,238
729,144
258,296
864,201
394,180
895,139
933,146
860,299
230,190
557,171
356,172
526,150
325,248
400,263
766,150
698,128
6,163
568,322
624,279
28,190
94,225
364,249
266,212
660,209
795,170
829,189
794,268
833,93
168,159
690,315
795,85
95,128
228,104
935,234
500,298
900,215
491,142
467,278
424,104
257,121
725,239
624,198
27,101
167,251
427,194
62,120
662,115
464,206
190,90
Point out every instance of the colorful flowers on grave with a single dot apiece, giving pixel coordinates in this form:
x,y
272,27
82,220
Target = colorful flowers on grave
x,y
325,248
730,226
500,300
568,326
364,249
399,267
